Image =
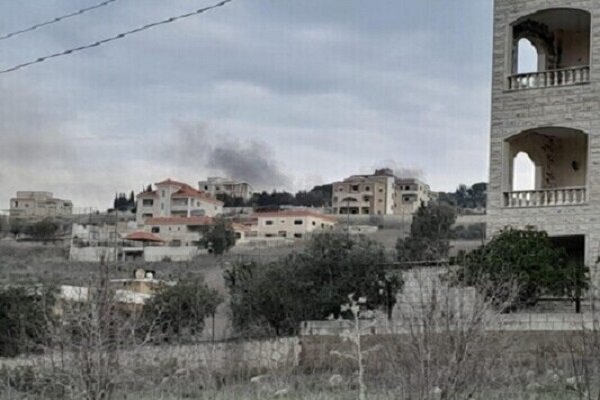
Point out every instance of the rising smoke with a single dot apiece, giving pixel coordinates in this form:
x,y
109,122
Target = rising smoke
x,y
252,161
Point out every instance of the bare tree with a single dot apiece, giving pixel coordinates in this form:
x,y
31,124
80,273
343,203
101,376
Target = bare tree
x,y
444,349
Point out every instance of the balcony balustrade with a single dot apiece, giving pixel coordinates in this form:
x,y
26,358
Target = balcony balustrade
x,y
545,197
550,78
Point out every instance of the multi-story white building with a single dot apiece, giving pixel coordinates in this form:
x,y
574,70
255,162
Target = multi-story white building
x,y
550,118
216,186
409,195
31,205
175,199
379,194
294,224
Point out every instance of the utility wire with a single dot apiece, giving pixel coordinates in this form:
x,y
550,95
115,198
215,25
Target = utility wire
x,y
116,37
57,19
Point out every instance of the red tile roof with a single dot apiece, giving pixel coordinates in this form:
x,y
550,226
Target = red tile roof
x,y
188,191
184,191
152,193
240,227
190,221
143,237
170,181
294,213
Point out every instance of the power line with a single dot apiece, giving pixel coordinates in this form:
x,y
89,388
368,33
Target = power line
x,y
116,37
57,19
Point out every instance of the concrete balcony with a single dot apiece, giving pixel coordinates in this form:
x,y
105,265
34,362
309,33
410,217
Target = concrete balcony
x,y
550,78
546,197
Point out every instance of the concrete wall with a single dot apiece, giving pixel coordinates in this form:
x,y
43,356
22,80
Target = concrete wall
x,y
91,254
150,254
159,253
502,323
226,357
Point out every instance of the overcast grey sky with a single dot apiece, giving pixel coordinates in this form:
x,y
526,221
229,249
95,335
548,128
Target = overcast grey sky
x,y
285,93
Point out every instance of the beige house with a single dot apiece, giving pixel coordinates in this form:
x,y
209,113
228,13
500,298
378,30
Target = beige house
x,y
175,199
31,205
379,194
364,194
216,186
544,122
293,224
409,195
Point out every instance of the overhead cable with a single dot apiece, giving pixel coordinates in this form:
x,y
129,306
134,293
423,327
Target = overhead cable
x,y
115,37
55,20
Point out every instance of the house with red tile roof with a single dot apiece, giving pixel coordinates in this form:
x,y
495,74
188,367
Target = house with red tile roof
x,y
172,198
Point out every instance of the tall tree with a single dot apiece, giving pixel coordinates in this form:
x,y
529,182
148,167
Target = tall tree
x,y
310,285
530,260
430,234
177,313
220,237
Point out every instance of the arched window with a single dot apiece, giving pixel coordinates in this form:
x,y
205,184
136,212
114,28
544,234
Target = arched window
x,y
528,57
523,172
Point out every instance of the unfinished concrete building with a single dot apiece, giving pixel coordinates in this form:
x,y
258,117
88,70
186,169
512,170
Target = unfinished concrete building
x,y
545,128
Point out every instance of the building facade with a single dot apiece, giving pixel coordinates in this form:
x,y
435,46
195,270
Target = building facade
x,y
379,194
409,195
216,186
364,194
32,205
179,231
292,224
175,199
551,117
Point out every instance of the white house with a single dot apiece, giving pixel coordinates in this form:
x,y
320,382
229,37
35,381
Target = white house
x,y
175,199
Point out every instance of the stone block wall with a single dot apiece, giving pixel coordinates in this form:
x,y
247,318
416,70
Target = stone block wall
x,y
576,107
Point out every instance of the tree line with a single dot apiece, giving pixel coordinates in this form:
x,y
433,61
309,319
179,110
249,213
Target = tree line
x,y
318,196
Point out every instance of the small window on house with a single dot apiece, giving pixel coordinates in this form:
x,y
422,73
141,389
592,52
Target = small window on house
x,y
162,193
147,202
380,190
298,222
155,229
341,189
335,199
355,188
16,204
367,188
298,235
314,223
205,187
268,222
380,201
